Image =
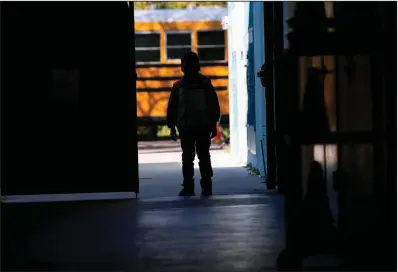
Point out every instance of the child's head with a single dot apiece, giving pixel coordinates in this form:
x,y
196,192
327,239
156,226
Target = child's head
x,y
190,63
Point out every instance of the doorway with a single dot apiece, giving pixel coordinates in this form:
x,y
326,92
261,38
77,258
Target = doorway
x,y
163,33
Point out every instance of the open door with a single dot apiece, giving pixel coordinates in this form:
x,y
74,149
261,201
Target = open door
x,y
68,98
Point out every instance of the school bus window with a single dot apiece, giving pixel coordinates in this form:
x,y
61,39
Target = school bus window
x,y
147,47
211,45
177,44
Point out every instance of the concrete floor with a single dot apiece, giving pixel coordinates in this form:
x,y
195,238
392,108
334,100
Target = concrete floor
x,y
160,173
240,228
223,233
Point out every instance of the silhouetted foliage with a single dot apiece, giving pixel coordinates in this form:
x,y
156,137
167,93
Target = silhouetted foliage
x,y
175,5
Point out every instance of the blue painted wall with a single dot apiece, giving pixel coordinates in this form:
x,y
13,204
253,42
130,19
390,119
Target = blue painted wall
x,y
251,90
258,48
247,97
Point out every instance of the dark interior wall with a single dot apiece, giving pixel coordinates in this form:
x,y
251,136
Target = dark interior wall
x,y
67,79
360,102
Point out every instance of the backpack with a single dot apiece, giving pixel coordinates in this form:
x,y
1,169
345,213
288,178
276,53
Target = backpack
x,y
193,109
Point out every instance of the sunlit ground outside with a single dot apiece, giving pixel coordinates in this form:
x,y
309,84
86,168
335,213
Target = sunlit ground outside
x,y
220,158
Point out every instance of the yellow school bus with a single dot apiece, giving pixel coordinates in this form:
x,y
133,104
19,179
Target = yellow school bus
x,y
161,38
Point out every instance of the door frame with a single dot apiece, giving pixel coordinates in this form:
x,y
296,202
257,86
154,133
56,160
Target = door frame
x,y
273,37
132,110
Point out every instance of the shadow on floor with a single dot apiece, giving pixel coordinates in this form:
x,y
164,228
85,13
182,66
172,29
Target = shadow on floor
x,y
164,180
243,233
